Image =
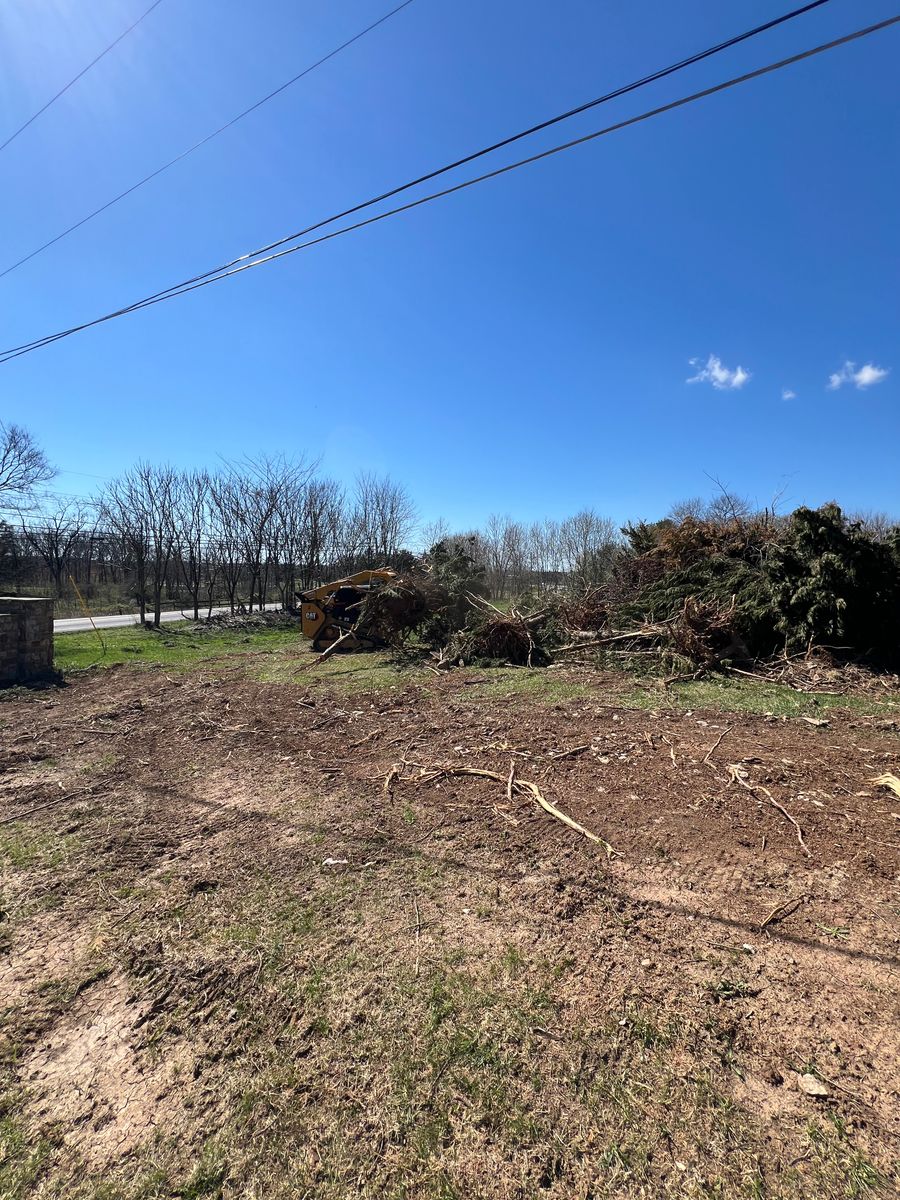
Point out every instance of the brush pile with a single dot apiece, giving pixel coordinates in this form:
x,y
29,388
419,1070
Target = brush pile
x,y
588,612
389,614
703,633
492,635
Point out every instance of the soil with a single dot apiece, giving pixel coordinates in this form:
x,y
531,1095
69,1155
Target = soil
x,y
152,794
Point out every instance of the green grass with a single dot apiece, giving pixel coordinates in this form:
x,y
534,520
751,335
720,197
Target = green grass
x,y
170,647
371,671
546,687
23,847
752,696
22,1157
282,655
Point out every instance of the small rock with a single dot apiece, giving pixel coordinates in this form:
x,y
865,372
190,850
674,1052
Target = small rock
x,y
812,1085
647,963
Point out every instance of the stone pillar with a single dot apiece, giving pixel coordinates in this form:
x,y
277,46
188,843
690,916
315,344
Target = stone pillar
x,y
26,638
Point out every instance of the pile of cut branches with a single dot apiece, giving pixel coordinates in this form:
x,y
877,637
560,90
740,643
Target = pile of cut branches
x,y
492,635
823,669
703,633
390,613
585,613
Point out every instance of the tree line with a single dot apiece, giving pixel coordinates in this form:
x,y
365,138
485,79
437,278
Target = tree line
x,y
253,532
263,529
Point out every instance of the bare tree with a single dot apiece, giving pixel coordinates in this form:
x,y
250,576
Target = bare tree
x,y
588,543
503,550
323,517
878,525
23,464
139,506
433,532
727,505
694,507
190,513
225,521
383,518
53,538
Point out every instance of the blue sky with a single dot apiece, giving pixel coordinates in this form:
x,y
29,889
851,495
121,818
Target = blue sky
x,y
523,347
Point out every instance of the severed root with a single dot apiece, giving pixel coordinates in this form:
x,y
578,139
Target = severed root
x,y
521,785
734,771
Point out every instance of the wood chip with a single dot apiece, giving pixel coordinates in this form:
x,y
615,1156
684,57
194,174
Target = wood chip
x,y
889,781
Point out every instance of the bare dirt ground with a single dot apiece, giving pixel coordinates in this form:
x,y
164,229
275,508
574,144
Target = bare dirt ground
x,y
236,963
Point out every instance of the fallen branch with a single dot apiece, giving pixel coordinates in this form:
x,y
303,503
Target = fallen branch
x,y
719,741
556,755
50,804
329,650
362,741
734,771
889,781
780,910
521,785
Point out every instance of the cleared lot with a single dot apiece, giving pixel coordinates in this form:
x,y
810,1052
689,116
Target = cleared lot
x,y
255,945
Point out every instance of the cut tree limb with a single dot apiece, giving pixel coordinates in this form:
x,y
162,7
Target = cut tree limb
x,y
520,785
719,741
781,910
735,769
556,755
49,804
329,650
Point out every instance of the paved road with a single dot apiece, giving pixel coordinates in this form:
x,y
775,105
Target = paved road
x,y
83,624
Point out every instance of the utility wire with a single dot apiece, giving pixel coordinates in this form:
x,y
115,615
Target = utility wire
x,y
241,265
203,141
507,141
82,72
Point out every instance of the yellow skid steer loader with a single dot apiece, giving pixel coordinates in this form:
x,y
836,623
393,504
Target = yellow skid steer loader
x,y
330,611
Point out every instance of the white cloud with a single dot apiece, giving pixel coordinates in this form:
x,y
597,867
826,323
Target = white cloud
x,y
787,394
721,377
861,379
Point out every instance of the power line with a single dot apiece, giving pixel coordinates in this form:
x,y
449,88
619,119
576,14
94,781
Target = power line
x,y
507,141
225,273
209,137
82,72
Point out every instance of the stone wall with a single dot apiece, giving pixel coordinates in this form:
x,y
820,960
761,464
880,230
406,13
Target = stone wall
x,y
26,638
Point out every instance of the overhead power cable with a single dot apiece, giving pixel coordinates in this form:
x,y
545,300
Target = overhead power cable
x,y
62,91
460,162
209,137
486,150
259,259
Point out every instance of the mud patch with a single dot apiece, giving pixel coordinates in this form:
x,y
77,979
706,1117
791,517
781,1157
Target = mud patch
x,y
44,950
95,1079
